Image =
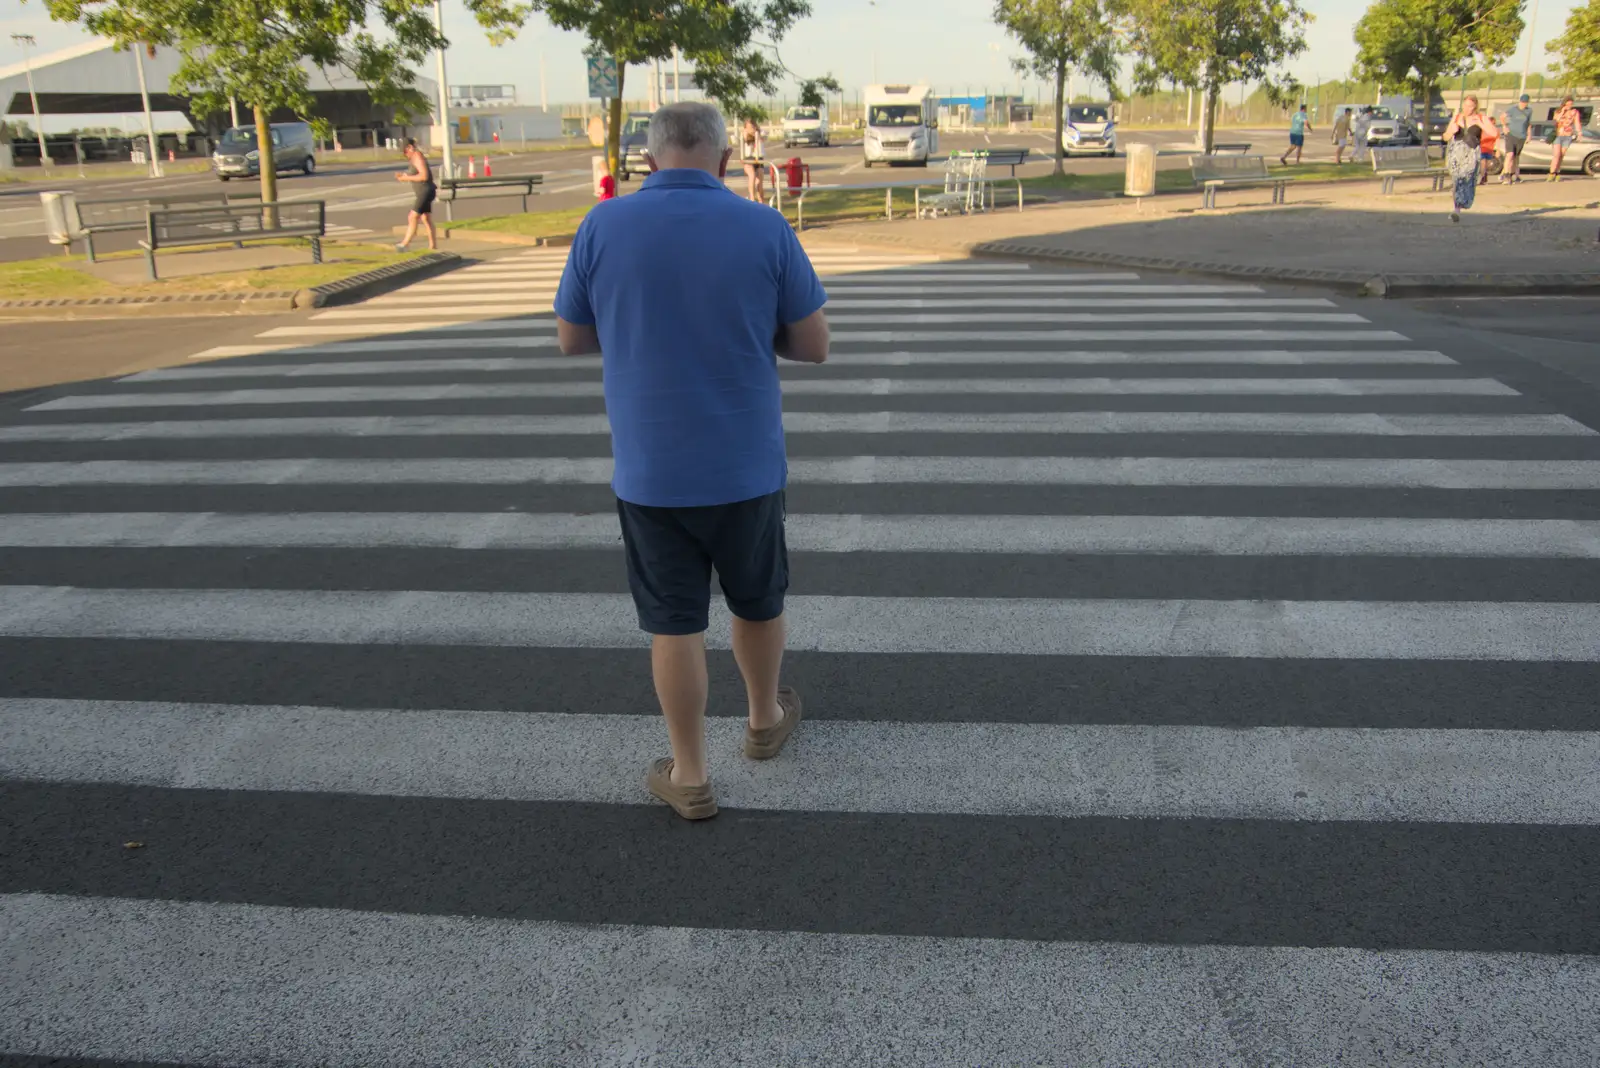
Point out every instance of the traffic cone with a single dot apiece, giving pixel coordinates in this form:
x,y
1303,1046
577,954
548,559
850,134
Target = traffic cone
x,y
472,167
488,171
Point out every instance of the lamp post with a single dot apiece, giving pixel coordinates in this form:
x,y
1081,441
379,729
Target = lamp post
x,y
1527,60
444,93
27,43
149,121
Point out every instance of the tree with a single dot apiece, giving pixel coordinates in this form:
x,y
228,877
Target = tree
x,y
256,50
811,91
1062,36
719,36
1207,44
1411,44
1579,46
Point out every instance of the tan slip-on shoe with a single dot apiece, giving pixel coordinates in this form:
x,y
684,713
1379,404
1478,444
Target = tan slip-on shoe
x,y
768,742
690,802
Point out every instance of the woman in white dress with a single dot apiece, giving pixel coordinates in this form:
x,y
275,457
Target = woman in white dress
x,y
754,163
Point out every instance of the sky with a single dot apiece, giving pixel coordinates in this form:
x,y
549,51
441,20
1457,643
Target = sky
x,y
949,44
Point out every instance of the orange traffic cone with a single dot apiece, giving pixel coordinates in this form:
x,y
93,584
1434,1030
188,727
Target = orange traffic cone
x,y
488,172
472,167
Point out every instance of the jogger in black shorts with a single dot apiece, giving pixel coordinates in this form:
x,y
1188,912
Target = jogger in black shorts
x,y
421,175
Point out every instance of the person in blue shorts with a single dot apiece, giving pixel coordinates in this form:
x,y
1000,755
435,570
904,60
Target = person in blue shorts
x,y
1299,126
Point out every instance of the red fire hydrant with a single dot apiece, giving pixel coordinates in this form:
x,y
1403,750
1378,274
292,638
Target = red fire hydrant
x,y
796,174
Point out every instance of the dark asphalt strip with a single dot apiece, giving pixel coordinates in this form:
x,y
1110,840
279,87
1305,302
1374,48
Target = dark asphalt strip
x,y
872,499
1467,887
907,688
859,574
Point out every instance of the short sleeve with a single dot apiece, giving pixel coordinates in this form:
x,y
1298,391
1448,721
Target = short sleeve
x,y
800,291
572,295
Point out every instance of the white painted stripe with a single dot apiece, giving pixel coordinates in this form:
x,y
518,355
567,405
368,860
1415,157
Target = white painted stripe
x,y
886,287
1355,630
518,308
505,327
829,423
1007,318
856,470
1019,534
1066,771
388,344
352,989
1157,301
1262,357
1076,335
854,387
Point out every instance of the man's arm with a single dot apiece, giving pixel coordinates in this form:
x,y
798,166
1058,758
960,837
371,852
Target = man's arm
x,y
805,341
580,339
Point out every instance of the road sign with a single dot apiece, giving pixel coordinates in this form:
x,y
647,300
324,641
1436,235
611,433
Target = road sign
x,y
602,76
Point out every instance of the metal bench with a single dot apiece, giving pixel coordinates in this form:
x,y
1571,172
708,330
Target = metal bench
x,y
1213,172
525,186
234,224
1005,157
1391,163
112,214
1230,148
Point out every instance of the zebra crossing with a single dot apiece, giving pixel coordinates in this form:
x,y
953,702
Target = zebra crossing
x,y
1196,674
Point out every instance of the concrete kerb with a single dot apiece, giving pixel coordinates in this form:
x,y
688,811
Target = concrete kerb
x,y
356,287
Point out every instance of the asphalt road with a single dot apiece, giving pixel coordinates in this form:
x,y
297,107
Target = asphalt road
x,y
1195,673
365,203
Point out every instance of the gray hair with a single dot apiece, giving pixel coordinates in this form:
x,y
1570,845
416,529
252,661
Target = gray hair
x,y
690,127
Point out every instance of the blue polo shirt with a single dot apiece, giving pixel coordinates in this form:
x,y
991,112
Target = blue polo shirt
x,y
686,285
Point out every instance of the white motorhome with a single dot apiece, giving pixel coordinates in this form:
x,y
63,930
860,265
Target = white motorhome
x,y
805,125
902,124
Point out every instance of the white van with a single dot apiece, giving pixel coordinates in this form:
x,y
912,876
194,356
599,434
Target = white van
x,y
902,124
803,125
1089,128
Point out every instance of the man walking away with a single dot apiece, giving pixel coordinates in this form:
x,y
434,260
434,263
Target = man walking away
x,y
1299,126
1341,136
688,290
1516,139
1567,119
421,177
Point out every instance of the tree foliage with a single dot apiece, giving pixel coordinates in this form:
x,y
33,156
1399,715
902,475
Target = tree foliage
x,y
1579,46
256,51
812,90
1206,44
1410,45
723,38
1062,36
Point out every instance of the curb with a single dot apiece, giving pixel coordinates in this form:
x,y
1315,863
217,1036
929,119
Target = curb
x,y
495,237
382,280
164,304
1359,283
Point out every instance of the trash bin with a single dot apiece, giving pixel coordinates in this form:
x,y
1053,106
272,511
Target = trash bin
x,y
1141,179
61,217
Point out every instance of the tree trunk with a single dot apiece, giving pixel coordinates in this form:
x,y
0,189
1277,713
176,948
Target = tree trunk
x,y
614,134
1061,115
1209,118
269,166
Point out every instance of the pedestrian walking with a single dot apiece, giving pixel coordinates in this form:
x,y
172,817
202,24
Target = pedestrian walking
x,y
750,154
1341,136
1463,161
1299,126
1361,125
1568,120
689,291
1487,149
423,191
1516,121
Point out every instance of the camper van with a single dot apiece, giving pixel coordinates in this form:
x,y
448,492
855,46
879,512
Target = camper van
x,y
805,125
902,125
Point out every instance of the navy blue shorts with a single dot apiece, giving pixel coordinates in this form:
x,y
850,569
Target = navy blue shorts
x,y
671,552
1297,140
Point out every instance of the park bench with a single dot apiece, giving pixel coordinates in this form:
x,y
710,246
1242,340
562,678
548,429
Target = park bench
x,y
236,224
525,186
112,214
1230,148
1213,172
1391,163
1005,157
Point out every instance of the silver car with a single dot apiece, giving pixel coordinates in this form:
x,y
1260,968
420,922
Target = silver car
x,y
1582,157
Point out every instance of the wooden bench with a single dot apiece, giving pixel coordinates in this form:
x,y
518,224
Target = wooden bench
x,y
1391,163
1213,172
525,186
1230,148
235,224
112,214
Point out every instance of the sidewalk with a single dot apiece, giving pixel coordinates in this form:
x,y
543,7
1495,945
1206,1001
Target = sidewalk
x,y
1535,235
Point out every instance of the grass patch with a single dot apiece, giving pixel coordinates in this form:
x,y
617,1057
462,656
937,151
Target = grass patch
x,y
562,223
60,277
68,172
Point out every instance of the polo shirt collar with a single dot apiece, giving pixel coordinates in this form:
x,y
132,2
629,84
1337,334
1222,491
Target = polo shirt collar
x,y
682,178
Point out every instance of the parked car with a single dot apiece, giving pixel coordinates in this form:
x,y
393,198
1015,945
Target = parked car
x,y
804,125
635,132
1388,130
1089,130
1582,158
293,149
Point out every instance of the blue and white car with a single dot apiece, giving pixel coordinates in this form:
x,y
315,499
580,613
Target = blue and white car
x,y
1089,131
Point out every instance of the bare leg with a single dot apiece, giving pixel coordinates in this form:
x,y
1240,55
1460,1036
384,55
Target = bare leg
x,y
758,649
678,663
411,229
433,235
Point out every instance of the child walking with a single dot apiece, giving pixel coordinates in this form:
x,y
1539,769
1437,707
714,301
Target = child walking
x,y
1462,161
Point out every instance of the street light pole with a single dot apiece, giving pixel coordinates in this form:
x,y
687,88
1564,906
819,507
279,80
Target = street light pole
x,y
1527,60
444,93
27,42
149,122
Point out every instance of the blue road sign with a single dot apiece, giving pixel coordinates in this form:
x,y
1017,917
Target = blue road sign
x,y
602,76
